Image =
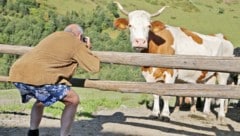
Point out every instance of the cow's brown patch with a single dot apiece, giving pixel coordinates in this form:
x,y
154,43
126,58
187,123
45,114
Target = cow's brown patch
x,y
159,73
224,37
164,47
145,69
155,38
202,76
158,29
157,26
195,37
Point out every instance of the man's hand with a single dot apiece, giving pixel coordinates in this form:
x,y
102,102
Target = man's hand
x,y
88,42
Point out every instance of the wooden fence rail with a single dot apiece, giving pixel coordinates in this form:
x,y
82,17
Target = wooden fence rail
x,y
194,90
224,64
221,64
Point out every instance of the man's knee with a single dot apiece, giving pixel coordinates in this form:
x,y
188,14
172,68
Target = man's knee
x,y
39,104
71,98
75,100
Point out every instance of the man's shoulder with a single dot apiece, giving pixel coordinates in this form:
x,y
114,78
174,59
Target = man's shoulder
x,y
57,37
61,33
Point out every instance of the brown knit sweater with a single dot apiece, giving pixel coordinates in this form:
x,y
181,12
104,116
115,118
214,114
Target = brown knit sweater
x,y
54,60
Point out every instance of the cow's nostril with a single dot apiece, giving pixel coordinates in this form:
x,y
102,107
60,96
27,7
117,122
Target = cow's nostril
x,y
140,41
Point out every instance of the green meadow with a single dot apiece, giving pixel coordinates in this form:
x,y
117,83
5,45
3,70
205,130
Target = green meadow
x,y
92,100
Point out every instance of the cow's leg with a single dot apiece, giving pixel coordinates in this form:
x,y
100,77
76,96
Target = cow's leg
x,y
207,104
226,105
222,80
221,112
178,103
165,115
193,104
238,83
238,79
234,102
156,108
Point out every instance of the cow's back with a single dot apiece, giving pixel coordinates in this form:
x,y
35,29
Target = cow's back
x,y
179,41
192,43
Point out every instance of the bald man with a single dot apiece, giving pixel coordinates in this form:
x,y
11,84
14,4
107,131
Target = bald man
x,y
44,73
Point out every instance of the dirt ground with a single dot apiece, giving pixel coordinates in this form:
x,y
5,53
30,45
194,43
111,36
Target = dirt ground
x,y
128,122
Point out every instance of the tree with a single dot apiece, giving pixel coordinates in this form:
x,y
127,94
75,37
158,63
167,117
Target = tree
x,y
113,9
3,3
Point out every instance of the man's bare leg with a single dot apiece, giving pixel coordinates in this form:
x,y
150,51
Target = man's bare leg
x,y
36,117
71,102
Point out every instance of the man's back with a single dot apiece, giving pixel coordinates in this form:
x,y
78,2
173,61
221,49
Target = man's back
x,y
54,59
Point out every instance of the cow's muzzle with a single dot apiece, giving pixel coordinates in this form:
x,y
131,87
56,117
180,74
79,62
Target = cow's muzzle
x,y
139,44
138,49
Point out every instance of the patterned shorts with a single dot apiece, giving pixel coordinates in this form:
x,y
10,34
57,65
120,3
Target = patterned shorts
x,y
47,94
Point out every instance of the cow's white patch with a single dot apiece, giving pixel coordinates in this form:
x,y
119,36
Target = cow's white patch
x,y
139,29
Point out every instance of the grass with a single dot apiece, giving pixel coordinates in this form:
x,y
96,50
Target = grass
x,y
10,101
92,100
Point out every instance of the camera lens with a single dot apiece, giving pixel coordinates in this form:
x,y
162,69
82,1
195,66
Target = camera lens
x,y
84,39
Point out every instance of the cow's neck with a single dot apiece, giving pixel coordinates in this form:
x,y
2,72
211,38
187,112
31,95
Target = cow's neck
x,y
155,38
154,41
160,42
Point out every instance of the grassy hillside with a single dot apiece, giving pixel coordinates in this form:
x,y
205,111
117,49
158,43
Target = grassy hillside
x,y
204,16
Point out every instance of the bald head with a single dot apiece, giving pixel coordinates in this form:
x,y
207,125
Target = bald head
x,y
75,29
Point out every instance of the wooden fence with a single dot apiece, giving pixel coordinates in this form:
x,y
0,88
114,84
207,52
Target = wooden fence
x,y
223,64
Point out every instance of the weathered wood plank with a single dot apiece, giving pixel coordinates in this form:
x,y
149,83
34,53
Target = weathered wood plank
x,y
221,64
3,78
195,90
14,49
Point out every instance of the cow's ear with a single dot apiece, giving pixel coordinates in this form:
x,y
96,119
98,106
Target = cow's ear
x,y
157,26
121,23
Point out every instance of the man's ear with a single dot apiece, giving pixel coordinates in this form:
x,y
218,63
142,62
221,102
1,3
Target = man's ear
x,y
157,26
121,23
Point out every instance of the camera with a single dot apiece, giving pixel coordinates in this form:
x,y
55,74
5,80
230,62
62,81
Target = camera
x,y
85,39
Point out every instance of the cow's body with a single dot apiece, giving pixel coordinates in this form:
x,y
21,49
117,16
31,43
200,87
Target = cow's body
x,y
156,37
234,78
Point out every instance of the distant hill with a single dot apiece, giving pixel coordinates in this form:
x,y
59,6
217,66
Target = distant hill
x,y
204,16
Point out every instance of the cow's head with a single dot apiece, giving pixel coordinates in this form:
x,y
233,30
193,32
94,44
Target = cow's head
x,y
139,24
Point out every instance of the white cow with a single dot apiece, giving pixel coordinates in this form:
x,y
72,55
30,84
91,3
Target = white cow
x,y
155,37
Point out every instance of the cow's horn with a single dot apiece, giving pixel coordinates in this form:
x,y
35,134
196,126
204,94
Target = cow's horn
x,y
121,8
159,11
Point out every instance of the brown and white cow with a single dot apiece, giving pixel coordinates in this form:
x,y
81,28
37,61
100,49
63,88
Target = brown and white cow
x,y
156,37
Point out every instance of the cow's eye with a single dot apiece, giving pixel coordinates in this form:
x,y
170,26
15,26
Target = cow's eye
x,y
149,26
129,25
